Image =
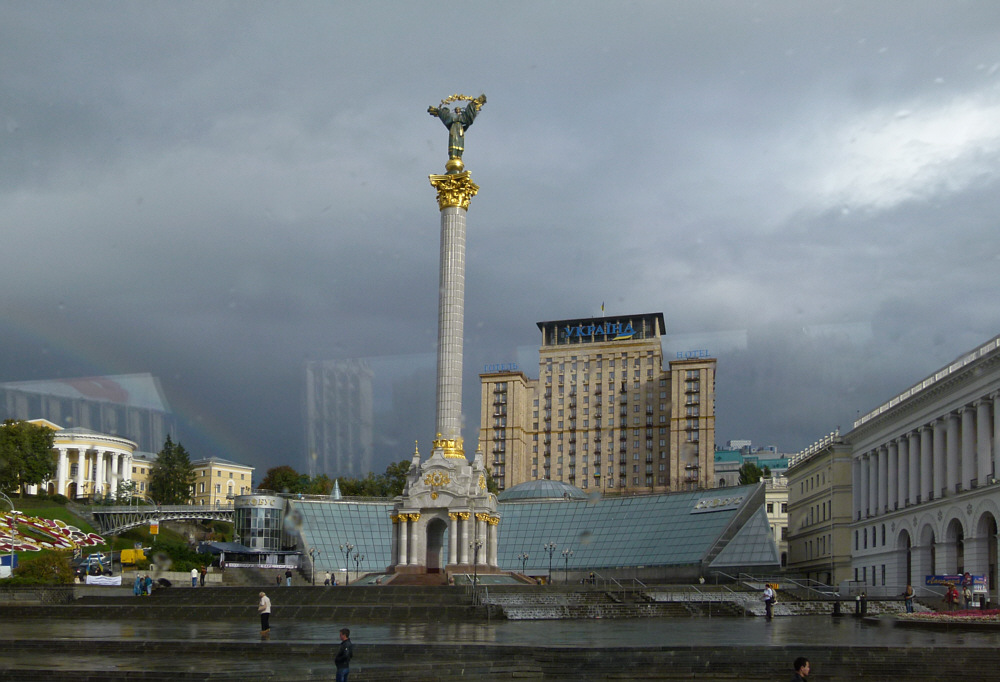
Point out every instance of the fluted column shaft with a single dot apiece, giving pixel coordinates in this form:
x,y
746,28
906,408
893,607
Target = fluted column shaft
x,y
403,532
984,454
968,447
913,484
953,460
451,321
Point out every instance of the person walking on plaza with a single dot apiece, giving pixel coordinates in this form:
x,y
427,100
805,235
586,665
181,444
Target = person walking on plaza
x,y
137,587
344,654
801,668
908,598
264,609
194,577
326,578
768,601
204,572
951,597
288,577
147,582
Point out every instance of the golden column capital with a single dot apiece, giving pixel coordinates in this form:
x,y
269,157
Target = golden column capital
x,y
454,190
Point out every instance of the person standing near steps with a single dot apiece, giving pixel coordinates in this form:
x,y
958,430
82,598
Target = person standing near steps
x,y
344,655
264,609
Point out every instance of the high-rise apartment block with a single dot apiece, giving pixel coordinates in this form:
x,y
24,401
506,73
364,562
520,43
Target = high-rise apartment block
x,y
604,414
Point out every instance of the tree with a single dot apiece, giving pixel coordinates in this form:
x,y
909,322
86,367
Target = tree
x,y
25,455
171,477
284,479
126,490
395,478
750,473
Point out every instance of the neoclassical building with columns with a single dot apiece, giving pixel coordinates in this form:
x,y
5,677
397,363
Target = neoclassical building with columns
x,y
924,466
88,464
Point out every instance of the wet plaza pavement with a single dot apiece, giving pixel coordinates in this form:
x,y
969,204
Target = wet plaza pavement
x,y
805,631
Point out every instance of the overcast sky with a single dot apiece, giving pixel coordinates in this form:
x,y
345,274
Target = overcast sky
x,y
216,192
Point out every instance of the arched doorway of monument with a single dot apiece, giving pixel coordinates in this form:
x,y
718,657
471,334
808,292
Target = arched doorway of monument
x,y
436,534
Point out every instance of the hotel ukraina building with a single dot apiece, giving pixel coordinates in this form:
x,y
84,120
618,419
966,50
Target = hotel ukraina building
x,y
604,414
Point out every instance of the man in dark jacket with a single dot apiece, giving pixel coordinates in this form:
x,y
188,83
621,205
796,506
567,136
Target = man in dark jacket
x,y
801,667
344,654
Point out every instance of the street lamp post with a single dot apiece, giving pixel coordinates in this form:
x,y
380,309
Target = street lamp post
x,y
523,556
567,553
550,548
358,558
347,549
312,555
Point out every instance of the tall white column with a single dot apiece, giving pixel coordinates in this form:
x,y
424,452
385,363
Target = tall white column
x,y
883,479
99,479
913,485
902,471
940,457
968,447
463,548
115,463
857,488
984,450
403,545
872,483
953,460
416,546
81,470
892,480
452,538
494,531
62,471
894,492
926,463
451,320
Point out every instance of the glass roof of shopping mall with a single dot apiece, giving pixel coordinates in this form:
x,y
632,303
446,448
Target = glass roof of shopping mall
x,y
674,529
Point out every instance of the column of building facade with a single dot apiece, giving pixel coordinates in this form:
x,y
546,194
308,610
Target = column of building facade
x,y
968,447
81,467
452,538
894,492
414,541
984,453
926,463
940,457
858,483
99,472
903,470
463,546
62,469
913,482
481,534
115,463
494,541
953,454
402,533
872,483
883,479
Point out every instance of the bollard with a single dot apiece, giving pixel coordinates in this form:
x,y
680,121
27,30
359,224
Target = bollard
x,y
836,608
857,606
864,605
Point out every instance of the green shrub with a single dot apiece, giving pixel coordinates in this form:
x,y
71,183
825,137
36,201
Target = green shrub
x,y
48,568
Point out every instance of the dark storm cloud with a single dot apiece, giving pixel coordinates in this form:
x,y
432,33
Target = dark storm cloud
x,y
217,193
